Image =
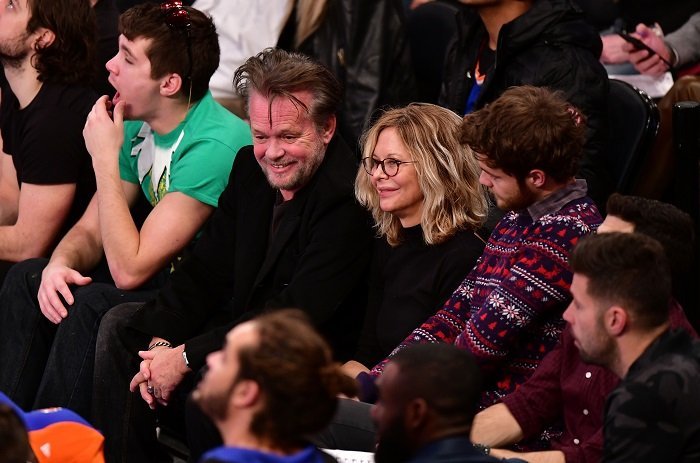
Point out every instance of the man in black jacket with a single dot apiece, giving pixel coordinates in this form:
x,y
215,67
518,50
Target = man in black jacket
x,y
545,43
287,233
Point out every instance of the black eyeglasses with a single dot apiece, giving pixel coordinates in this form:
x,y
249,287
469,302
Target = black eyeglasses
x,y
178,18
390,166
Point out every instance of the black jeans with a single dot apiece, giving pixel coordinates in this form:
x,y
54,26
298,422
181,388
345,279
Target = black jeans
x,y
46,365
351,428
127,423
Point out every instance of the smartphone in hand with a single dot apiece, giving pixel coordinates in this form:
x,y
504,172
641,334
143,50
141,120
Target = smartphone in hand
x,y
639,45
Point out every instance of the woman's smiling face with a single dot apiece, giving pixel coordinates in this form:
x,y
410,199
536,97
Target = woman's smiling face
x,y
400,194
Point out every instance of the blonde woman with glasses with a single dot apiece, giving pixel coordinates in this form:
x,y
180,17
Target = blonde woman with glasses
x,y
422,188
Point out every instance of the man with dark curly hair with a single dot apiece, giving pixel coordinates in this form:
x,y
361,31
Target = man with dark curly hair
x,y
46,50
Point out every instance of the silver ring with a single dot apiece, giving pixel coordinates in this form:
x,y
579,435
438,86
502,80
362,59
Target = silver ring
x,y
149,389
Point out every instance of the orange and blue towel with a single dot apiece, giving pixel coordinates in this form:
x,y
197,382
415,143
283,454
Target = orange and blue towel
x,y
58,435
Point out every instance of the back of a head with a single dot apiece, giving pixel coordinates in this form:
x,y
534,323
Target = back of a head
x,y
664,222
69,59
528,128
446,377
298,378
277,73
448,174
14,440
626,269
168,50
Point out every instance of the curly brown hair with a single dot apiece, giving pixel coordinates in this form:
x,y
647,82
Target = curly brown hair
x,y
528,128
69,58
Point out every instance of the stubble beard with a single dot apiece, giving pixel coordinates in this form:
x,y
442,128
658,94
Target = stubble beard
x,y
14,52
605,351
523,200
305,171
215,405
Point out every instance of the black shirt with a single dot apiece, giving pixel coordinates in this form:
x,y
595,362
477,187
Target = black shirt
x,y
409,283
45,140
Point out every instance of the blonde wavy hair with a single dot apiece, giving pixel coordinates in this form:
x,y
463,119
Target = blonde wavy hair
x,y
448,173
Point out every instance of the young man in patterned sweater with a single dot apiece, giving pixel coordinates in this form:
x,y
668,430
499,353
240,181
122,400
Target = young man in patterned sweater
x,y
507,311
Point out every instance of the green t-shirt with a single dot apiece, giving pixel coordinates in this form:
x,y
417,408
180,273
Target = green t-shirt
x,y
195,158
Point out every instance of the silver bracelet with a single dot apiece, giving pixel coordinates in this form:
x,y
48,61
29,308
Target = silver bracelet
x,y
159,344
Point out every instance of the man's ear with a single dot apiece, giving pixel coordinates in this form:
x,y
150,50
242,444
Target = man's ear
x,y
44,38
328,129
171,84
616,320
416,412
537,178
245,393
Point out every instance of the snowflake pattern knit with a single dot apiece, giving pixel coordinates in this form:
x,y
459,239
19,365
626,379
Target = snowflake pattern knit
x,y
507,311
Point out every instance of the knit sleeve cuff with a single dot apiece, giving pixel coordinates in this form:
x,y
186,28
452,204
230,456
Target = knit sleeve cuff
x,y
368,388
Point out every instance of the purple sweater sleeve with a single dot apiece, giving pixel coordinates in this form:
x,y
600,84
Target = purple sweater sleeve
x,y
493,306
530,289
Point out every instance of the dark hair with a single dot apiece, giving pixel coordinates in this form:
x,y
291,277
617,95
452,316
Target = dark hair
x,y
276,73
446,377
69,59
528,128
627,269
167,51
664,222
14,441
299,380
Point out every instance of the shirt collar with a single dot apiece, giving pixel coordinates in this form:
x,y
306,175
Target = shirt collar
x,y
557,199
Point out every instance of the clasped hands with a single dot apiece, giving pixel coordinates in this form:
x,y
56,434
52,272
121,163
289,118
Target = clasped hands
x,y
160,372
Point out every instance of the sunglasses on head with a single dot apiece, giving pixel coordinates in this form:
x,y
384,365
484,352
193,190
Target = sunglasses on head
x,y
178,18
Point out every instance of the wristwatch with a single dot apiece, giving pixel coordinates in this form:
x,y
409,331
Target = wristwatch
x,y
184,357
485,449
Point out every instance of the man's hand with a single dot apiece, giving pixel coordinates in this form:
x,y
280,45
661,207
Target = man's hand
x,y
54,282
164,372
140,382
645,62
103,135
614,49
353,368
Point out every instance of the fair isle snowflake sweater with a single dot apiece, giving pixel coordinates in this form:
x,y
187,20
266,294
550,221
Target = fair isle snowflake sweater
x,y
507,311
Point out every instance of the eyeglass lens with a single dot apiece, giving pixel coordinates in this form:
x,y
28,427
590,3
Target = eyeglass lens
x,y
389,166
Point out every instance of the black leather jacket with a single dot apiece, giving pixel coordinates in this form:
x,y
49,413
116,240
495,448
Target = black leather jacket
x,y
364,44
548,46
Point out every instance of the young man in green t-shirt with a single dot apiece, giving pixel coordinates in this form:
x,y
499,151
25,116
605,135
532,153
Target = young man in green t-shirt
x,y
176,149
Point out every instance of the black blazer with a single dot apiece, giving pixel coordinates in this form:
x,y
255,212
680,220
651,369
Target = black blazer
x,y
317,261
